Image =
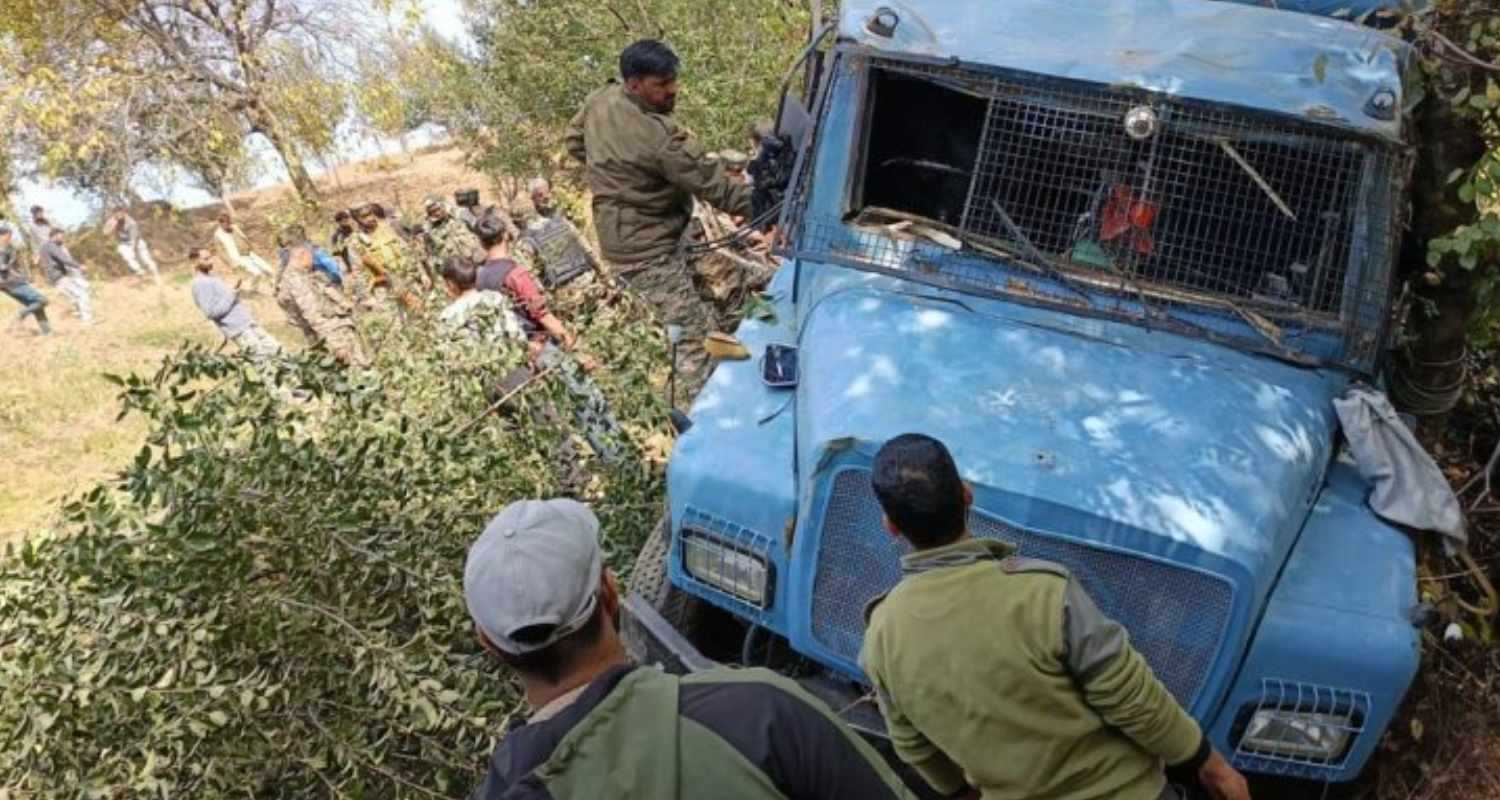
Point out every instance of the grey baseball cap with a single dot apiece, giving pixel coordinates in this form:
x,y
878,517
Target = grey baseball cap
x,y
534,572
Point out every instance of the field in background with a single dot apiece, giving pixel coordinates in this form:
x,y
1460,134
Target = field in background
x,y
57,412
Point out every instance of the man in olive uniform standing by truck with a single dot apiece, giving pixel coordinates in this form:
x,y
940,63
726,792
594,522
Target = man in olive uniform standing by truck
x,y
998,674
644,171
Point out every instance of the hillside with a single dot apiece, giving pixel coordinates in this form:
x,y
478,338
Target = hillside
x,y
57,411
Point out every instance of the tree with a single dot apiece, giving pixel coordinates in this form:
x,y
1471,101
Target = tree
x,y
1454,242
274,65
538,61
239,49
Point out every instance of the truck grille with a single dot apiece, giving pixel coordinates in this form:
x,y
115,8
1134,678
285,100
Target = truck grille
x,y
1176,617
1205,205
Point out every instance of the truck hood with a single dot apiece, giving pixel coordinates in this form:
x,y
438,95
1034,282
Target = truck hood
x,y
1189,451
1317,68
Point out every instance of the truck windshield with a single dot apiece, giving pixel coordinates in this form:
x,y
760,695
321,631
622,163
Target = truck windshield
x,y
1269,216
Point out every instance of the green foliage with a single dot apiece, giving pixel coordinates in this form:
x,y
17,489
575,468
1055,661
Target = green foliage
x,y
1459,45
268,601
538,62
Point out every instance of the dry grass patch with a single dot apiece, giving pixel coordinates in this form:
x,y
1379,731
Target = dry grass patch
x,y
58,422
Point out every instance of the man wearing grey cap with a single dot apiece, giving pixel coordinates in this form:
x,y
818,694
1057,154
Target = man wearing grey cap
x,y
544,603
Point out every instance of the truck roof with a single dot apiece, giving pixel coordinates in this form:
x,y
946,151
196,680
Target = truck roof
x,y
1313,67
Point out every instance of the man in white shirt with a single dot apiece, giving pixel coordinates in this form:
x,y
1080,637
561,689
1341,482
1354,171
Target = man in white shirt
x,y
132,248
229,236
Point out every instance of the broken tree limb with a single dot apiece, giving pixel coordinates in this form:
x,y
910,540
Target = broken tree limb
x,y
1256,176
505,398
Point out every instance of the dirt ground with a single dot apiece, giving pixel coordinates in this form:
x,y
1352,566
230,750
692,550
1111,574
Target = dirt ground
x,y
58,423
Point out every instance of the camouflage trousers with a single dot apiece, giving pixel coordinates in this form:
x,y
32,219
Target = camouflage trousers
x,y
667,285
337,335
590,410
699,293
256,343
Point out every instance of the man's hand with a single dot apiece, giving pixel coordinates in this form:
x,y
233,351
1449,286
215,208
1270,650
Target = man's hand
x,y
586,362
1221,781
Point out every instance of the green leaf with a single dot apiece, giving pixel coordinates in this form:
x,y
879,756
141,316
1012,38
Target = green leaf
x,y
1320,67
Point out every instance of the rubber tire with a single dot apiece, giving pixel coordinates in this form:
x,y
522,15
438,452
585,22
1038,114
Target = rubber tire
x,y
649,580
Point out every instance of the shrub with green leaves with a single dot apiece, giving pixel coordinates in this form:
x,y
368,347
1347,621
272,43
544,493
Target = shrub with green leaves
x,y
268,602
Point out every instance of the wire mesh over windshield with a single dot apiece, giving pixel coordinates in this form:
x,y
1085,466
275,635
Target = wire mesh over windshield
x,y
1274,220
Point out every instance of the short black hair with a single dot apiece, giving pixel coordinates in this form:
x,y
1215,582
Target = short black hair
x,y
648,58
553,662
920,491
341,215
460,271
491,228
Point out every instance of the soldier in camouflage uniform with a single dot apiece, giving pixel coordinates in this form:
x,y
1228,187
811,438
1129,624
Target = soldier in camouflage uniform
x,y
386,258
446,236
491,316
323,314
644,171
549,245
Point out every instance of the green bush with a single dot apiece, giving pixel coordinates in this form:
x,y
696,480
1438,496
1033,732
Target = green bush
x,y
268,601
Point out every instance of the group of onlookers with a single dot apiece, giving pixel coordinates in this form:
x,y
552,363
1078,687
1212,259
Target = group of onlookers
x,y
462,255
51,258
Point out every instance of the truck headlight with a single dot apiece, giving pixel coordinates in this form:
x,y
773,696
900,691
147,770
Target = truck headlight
x,y
741,574
1300,735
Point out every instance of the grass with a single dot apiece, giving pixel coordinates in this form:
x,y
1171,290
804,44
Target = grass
x,y
58,422
58,414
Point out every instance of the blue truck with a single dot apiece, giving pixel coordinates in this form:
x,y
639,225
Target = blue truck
x,y
1120,257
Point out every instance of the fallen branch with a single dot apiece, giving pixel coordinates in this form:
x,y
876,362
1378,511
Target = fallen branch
x,y
495,406
1256,176
1463,55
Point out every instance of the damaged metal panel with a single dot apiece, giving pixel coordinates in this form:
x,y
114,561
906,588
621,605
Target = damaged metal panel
x,y
1328,70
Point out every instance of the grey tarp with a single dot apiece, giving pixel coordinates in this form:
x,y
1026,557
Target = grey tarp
x,y
1408,488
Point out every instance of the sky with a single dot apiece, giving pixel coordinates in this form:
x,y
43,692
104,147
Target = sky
x,y
69,210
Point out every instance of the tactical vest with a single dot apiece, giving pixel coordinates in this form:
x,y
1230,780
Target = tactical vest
x,y
562,255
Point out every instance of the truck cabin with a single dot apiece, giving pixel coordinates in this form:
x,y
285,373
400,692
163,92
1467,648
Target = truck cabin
x,y
1120,258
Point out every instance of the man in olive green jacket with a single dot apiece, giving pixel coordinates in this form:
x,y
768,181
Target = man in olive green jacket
x,y
644,171
997,674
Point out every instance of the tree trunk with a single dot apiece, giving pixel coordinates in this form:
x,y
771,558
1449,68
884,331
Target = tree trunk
x,y
270,127
1426,371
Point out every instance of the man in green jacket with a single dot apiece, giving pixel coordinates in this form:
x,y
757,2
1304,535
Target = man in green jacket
x,y
601,727
998,676
644,171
